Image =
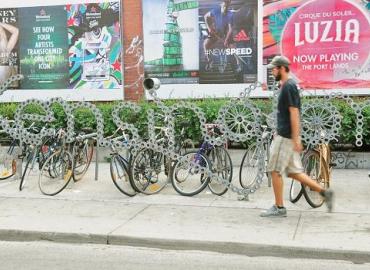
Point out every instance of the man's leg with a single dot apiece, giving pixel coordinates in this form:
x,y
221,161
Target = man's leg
x,y
276,164
278,185
277,210
306,180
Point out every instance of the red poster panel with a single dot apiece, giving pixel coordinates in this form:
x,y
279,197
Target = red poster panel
x,y
327,42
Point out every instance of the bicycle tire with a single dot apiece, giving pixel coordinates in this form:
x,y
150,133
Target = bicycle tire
x,y
147,172
197,176
316,168
26,168
8,165
295,191
118,170
30,159
82,159
268,174
249,167
53,185
296,188
222,166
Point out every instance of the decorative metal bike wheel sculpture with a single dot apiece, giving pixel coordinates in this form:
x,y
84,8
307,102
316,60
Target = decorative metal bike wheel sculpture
x,y
321,122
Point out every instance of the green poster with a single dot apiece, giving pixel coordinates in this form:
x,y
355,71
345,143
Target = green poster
x,y
44,47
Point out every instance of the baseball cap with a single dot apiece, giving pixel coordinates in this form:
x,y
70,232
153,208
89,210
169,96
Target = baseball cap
x,y
279,61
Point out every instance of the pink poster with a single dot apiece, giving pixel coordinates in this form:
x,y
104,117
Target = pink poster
x,y
327,42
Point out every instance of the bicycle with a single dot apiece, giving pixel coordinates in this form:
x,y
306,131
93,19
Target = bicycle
x,y
38,153
147,166
249,166
317,164
220,161
189,175
57,170
8,163
119,167
82,150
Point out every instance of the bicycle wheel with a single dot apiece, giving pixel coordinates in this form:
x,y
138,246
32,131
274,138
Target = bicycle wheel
x,y
188,174
249,167
296,188
147,172
27,169
83,153
61,163
221,166
268,174
8,165
120,176
316,168
296,191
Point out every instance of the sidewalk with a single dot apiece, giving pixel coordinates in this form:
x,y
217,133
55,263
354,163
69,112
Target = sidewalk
x,y
96,212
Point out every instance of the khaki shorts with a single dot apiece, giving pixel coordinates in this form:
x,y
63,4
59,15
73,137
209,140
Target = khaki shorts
x,y
283,159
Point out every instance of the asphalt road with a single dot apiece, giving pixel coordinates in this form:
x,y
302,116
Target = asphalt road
x,y
48,255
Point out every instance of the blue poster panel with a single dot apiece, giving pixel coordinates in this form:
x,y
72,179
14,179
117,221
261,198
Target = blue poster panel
x,y
228,41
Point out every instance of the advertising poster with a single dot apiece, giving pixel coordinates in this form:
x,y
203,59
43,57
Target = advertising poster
x,y
95,45
43,47
228,41
327,42
9,36
171,35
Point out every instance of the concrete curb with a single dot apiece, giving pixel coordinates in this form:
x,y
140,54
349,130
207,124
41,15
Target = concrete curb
x,y
248,249
29,236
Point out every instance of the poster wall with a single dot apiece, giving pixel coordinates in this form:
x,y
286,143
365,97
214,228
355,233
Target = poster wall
x,y
327,42
71,49
171,36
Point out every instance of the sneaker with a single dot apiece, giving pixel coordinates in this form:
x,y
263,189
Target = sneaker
x,y
329,199
274,211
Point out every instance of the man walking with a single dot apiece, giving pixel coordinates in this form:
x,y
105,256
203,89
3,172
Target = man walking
x,y
287,145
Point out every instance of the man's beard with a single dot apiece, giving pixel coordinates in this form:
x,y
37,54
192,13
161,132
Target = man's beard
x,y
278,77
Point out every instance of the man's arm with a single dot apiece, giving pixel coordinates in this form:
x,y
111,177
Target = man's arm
x,y
295,125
